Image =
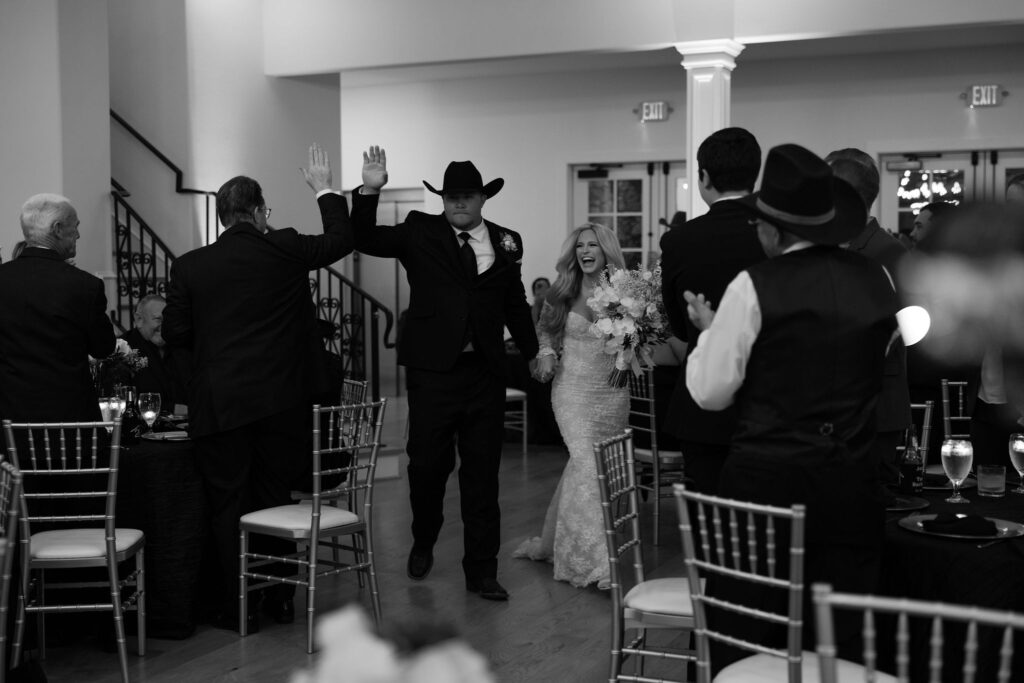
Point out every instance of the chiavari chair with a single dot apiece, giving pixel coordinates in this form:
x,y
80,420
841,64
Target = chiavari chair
x,y
638,604
10,490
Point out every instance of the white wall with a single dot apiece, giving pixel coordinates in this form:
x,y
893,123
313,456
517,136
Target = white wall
x,y
529,129
526,129
53,116
188,74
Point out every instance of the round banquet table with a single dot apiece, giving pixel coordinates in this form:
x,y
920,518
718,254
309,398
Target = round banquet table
x,y
942,569
159,491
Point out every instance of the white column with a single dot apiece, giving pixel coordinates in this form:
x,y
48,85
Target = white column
x,y
709,65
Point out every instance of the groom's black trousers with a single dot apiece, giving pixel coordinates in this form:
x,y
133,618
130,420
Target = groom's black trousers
x,y
464,408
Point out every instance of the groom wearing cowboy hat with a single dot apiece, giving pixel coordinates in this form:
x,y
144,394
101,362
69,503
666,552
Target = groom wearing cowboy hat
x,y
465,287
798,345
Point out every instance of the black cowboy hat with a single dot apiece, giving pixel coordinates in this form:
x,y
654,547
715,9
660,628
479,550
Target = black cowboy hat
x,y
800,195
463,176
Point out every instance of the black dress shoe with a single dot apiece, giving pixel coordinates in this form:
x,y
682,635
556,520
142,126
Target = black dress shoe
x,y
487,588
281,611
419,565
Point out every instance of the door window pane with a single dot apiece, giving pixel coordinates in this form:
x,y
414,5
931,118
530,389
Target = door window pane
x,y
629,195
599,196
918,188
630,231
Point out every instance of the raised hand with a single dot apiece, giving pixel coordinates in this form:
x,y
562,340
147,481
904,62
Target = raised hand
x,y
318,175
375,168
699,309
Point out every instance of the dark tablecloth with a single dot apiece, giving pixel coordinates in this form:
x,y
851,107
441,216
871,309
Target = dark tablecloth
x,y
957,571
160,492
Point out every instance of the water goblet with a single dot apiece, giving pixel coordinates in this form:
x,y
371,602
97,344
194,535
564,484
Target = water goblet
x,y
149,408
1016,448
957,458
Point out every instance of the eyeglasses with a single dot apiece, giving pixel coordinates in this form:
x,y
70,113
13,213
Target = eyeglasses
x,y
266,212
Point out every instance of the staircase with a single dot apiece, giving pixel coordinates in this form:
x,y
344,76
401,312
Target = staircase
x,y
143,265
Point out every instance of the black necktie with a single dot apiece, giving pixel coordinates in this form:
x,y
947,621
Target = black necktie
x,y
467,254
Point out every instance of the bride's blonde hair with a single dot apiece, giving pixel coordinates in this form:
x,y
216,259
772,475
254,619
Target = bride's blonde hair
x,y
570,278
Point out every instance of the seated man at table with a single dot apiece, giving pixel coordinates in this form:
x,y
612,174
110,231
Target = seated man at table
x,y
798,344
167,369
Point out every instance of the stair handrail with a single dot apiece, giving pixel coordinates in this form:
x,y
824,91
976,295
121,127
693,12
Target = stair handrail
x,y
179,175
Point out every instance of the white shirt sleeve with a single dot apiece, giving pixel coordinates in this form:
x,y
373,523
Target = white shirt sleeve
x,y
717,367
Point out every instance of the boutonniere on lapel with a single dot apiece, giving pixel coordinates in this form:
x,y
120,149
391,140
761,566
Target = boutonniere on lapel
x,y
508,243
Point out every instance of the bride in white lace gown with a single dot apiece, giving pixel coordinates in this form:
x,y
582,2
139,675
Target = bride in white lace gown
x,y
586,408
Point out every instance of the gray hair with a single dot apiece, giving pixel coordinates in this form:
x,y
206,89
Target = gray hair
x,y
145,300
38,215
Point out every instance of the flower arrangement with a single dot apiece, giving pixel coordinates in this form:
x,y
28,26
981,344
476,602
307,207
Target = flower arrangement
x,y
351,652
631,317
117,368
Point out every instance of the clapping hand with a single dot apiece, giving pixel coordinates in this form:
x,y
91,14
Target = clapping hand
x,y
375,169
318,175
699,309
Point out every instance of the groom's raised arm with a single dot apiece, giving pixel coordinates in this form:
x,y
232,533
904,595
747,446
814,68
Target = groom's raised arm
x,y
383,241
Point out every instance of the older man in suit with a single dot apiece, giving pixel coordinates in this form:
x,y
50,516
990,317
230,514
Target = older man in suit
x,y
52,318
704,255
465,279
242,306
167,369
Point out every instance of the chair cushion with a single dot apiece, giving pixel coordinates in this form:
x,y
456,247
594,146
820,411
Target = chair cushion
x,y
662,596
670,458
79,544
298,517
514,394
773,669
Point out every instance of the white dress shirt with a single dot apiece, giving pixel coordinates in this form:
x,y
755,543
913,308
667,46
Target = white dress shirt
x,y
480,241
717,367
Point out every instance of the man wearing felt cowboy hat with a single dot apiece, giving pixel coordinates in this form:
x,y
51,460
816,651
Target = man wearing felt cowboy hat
x,y
798,345
465,287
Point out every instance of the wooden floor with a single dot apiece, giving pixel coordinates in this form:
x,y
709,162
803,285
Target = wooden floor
x,y
548,631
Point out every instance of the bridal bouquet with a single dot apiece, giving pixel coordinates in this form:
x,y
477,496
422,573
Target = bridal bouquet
x,y
631,318
117,368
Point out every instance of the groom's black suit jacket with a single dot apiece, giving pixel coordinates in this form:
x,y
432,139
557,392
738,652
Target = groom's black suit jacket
x,y
443,298
242,305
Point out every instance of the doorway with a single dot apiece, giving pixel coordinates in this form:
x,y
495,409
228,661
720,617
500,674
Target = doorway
x,y
631,199
912,180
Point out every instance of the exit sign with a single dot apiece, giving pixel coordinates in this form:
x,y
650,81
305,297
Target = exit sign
x,y
653,111
984,96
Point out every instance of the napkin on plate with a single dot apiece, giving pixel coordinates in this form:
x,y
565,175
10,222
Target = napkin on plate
x,y
968,525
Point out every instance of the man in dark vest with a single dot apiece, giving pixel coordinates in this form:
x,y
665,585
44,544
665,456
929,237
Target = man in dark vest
x,y
704,255
465,287
798,345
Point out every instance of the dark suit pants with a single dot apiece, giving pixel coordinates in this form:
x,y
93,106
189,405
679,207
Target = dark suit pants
x,y
465,407
246,469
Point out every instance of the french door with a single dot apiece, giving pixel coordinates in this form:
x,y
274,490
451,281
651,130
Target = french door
x,y
913,179
630,198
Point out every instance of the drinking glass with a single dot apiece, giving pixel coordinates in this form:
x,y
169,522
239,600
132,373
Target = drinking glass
x,y
1016,448
149,408
957,458
111,408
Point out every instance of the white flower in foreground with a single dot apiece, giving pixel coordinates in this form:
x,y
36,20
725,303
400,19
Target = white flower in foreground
x,y
349,651
122,347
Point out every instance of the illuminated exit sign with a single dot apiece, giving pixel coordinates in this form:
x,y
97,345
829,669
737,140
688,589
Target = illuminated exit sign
x,y
984,96
653,111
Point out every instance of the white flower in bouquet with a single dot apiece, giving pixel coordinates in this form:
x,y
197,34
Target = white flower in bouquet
x,y
630,316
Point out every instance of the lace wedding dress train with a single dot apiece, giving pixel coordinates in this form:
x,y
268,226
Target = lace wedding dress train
x,y
587,411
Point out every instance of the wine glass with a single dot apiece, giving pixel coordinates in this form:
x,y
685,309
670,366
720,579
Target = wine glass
x,y
957,458
1016,448
111,408
149,408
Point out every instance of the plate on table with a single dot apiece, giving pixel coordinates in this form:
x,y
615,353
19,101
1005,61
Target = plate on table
x,y
166,436
1004,528
907,504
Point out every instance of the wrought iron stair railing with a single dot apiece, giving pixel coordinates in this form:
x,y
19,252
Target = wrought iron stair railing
x,y
143,263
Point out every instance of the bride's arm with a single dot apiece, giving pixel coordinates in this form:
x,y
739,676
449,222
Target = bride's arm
x,y
547,355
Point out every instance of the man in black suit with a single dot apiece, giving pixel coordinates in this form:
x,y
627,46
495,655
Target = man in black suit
x,y
166,371
704,255
242,306
465,279
52,318
893,412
